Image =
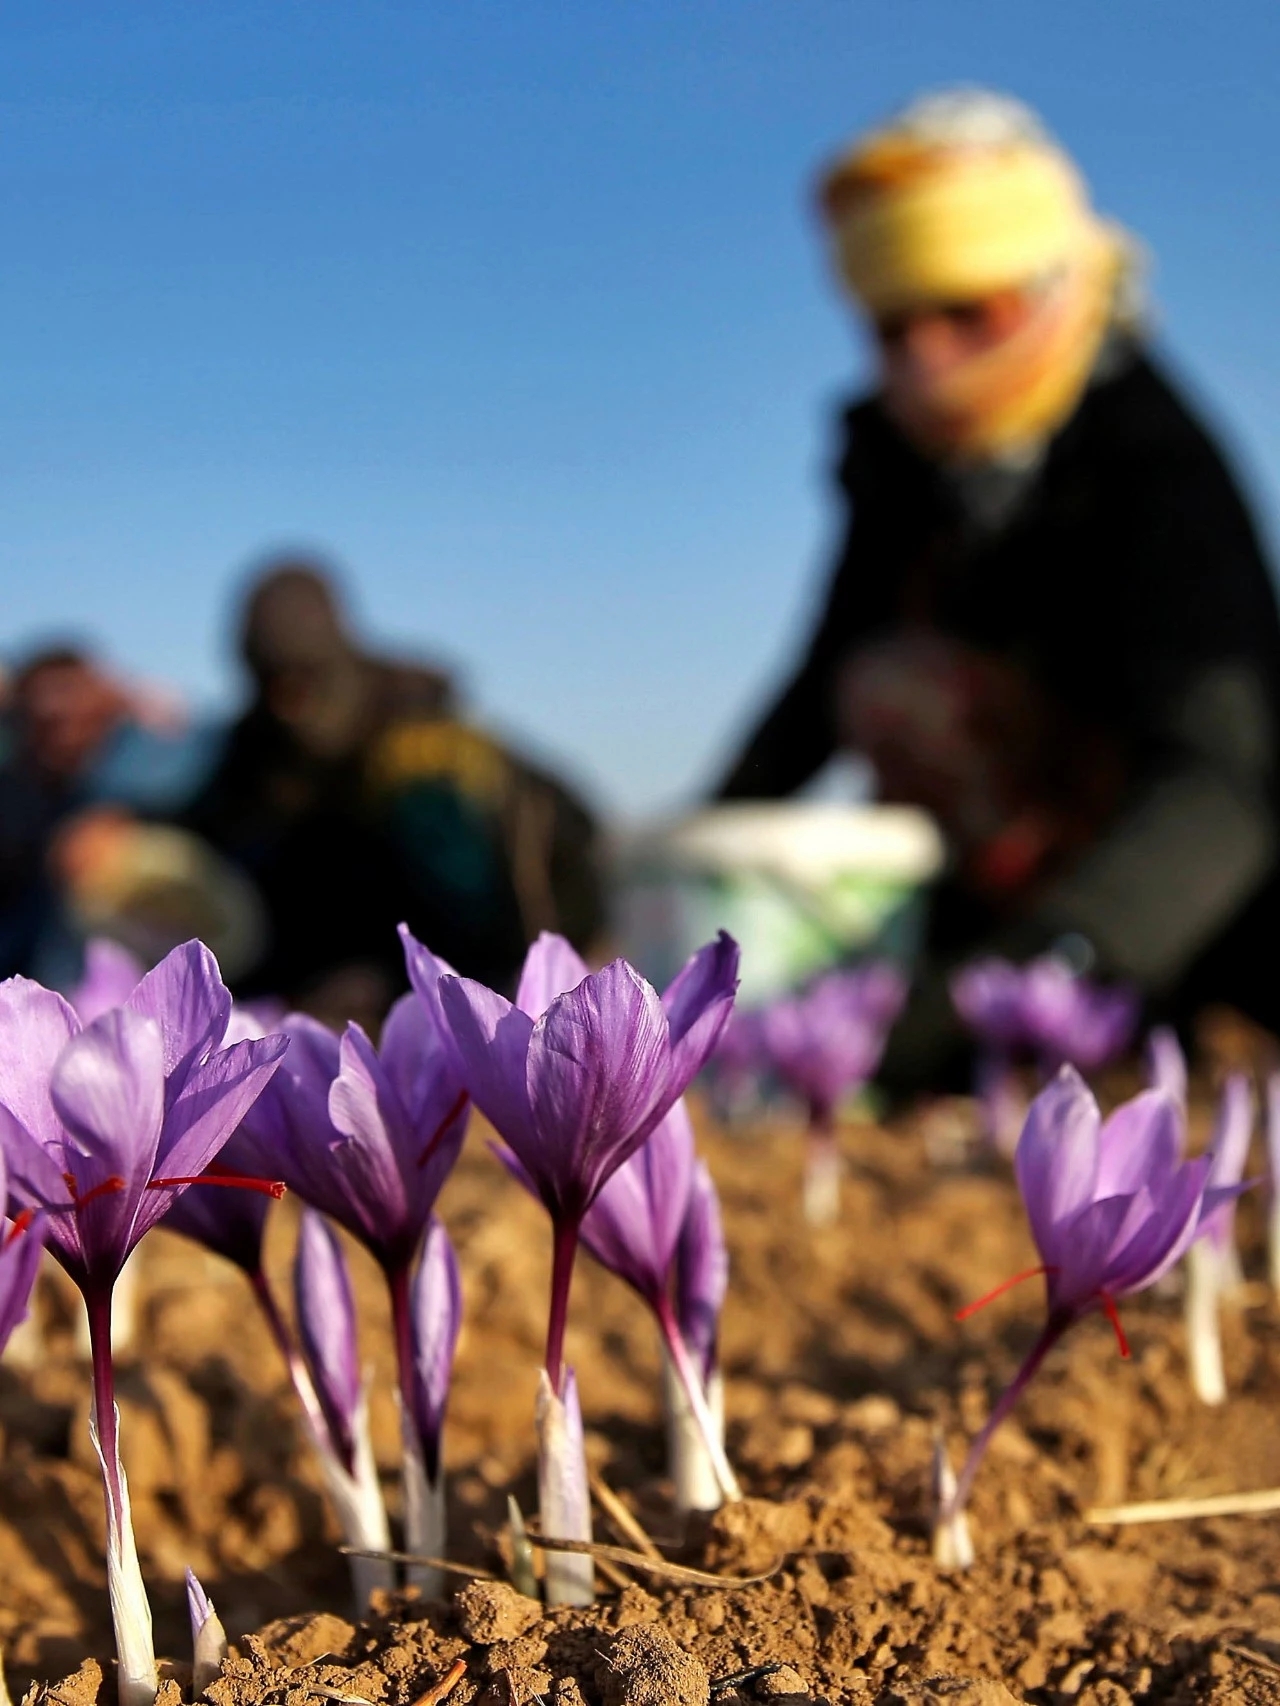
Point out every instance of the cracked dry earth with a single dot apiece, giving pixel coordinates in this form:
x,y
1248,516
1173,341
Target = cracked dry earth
x,y
842,1355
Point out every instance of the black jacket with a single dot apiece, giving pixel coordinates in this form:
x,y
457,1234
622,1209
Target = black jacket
x,y
1129,583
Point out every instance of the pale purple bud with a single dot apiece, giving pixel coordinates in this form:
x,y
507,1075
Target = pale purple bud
x,y
435,1302
702,1272
327,1330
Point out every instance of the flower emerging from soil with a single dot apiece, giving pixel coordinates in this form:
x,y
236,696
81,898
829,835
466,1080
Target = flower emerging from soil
x,y
435,1316
103,1126
825,1042
208,1637
576,1076
1112,1205
326,1314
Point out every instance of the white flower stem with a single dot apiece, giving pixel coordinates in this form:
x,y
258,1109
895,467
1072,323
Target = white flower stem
x,y
210,1650
424,1514
822,1169
952,1546
137,1680
1204,1333
710,1431
564,1501
697,1486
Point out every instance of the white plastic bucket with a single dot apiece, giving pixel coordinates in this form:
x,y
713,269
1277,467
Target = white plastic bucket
x,y
800,886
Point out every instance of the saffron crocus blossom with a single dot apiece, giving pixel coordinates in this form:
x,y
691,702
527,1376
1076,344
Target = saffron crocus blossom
x,y
824,1043
369,1136
575,1079
327,1327
1166,1064
1043,1010
1213,1265
1112,1205
208,1637
635,1228
435,1315
105,1125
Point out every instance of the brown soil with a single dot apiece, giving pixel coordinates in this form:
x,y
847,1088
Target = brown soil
x,y
841,1353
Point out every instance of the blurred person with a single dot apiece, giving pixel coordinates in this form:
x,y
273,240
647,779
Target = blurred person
x,y
354,796
1050,622
83,750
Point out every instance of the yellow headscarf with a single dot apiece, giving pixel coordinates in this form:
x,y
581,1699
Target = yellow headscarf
x,y
960,197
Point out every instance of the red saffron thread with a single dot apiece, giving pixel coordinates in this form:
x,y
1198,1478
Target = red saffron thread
x,y
1113,1315
1005,1285
21,1221
433,1142
107,1187
269,1187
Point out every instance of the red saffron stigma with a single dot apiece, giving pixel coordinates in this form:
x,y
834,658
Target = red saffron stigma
x,y
433,1141
1113,1315
106,1188
21,1221
240,1181
1005,1285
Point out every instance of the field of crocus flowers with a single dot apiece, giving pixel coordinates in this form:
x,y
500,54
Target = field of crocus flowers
x,y
841,1357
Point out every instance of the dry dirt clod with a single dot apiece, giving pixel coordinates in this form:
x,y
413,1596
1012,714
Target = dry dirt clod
x,y
489,1612
643,1666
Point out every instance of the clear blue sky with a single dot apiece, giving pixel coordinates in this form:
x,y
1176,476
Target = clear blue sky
x,y
516,307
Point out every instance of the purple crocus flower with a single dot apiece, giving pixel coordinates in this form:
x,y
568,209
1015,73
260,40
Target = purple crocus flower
x,y
326,1312
435,1312
111,974
1166,1064
824,1042
828,1039
369,1136
104,1125
1112,1204
633,1226
1044,1010
576,1090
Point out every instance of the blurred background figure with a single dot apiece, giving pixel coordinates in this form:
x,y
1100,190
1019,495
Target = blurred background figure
x,y
353,796
82,750
1050,622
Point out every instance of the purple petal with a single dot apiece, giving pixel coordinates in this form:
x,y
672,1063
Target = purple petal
x,y
425,971
327,1328
492,1038
1140,1143
188,1000
419,1063
35,1026
1056,1162
216,1097
435,1304
1084,1269
599,1077
197,1604
633,1226
552,967
111,974
108,1091
365,1110
1168,1235
1229,1149
987,994
19,1264
698,1002
1166,1063
702,1271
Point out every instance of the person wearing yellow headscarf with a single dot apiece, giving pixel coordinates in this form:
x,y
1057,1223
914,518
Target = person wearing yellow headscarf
x,y
1051,623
